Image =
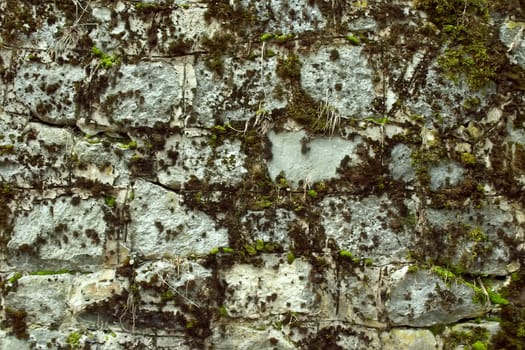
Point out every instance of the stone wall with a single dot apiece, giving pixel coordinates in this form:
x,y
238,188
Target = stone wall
x,y
305,174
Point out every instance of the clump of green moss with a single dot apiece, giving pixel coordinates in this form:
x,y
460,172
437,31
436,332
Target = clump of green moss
x,y
50,272
464,27
106,61
468,158
354,40
474,338
73,339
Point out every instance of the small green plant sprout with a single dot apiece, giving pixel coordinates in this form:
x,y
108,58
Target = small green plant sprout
x,y
348,255
130,145
106,61
259,245
228,250
290,257
214,251
477,235
468,158
144,6
283,183
443,273
110,201
250,250
92,139
223,311
496,298
368,261
479,345
264,203
312,193
266,36
289,68
353,39
14,278
73,339
413,268
381,121
283,37
167,295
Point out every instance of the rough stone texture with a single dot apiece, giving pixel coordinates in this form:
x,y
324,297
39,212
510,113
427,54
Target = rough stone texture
x,y
270,229
301,159
410,339
362,227
146,94
254,292
162,225
445,175
511,34
93,288
251,338
344,83
46,91
401,163
192,157
421,298
42,155
480,248
261,174
43,298
50,235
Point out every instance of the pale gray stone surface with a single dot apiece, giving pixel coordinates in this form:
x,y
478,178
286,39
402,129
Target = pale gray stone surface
x,y
422,298
290,17
186,157
362,227
248,336
270,229
89,289
481,247
146,94
46,91
308,160
161,224
400,165
244,90
257,291
44,298
43,154
344,84
445,175
51,234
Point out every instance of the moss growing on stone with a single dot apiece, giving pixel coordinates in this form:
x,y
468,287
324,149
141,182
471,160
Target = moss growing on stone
x,y
106,61
289,68
469,338
73,339
464,26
